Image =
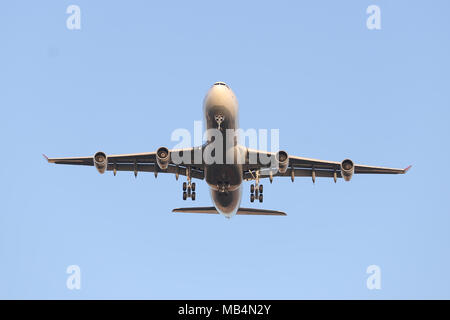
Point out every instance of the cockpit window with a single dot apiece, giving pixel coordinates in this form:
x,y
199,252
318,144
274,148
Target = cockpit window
x,y
220,84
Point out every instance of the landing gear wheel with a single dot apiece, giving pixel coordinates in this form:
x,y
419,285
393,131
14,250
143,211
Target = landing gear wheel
x,y
184,195
193,196
184,186
193,186
260,198
260,188
252,197
252,188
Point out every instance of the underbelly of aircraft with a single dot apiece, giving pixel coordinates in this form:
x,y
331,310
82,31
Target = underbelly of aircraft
x,y
227,203
223,177
225,182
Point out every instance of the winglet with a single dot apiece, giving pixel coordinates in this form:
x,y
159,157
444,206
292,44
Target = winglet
x,y
407,168
45,157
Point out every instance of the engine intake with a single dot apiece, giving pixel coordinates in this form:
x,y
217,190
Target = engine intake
x,y
100,162
163,158
282,160
347,169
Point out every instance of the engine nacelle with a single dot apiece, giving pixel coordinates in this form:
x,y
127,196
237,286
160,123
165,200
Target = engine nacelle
x,y
347,169
100,161
282,160
163,158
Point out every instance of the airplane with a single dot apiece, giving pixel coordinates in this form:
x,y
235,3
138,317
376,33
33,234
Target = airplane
x,y
225,178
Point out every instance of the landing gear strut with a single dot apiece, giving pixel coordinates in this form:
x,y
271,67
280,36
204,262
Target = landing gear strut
x,y
256,189
189,186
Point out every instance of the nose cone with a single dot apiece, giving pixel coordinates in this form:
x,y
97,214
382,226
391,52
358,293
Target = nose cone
x,y
220,94
219,88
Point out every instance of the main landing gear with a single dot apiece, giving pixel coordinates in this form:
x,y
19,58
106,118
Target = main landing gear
x,y
188,187
189,191
256,189
256,192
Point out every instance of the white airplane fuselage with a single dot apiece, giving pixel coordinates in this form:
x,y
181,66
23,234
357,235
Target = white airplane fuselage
x,y
225,179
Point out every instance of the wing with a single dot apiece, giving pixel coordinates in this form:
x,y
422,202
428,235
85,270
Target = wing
x,y
305,167
142,162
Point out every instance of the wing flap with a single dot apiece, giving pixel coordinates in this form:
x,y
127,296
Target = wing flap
x,y
196,173
146,157
297,173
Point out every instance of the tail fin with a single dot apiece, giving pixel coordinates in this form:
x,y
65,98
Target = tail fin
x,y
243,211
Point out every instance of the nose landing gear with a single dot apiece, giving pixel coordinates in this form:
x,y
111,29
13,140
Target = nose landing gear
x,y
219,119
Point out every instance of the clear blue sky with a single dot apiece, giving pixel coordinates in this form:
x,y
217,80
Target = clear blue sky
x,y
137,70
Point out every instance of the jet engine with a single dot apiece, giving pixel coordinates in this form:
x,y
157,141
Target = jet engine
x,y
347,169
282,159
163,157
100,161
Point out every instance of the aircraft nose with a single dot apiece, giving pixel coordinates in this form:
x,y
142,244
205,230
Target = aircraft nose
x,y
220,95
218,92
220,83
220,87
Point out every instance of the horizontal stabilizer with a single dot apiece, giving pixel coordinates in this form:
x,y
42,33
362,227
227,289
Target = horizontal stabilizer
x,y
246,211
260,212
197,210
